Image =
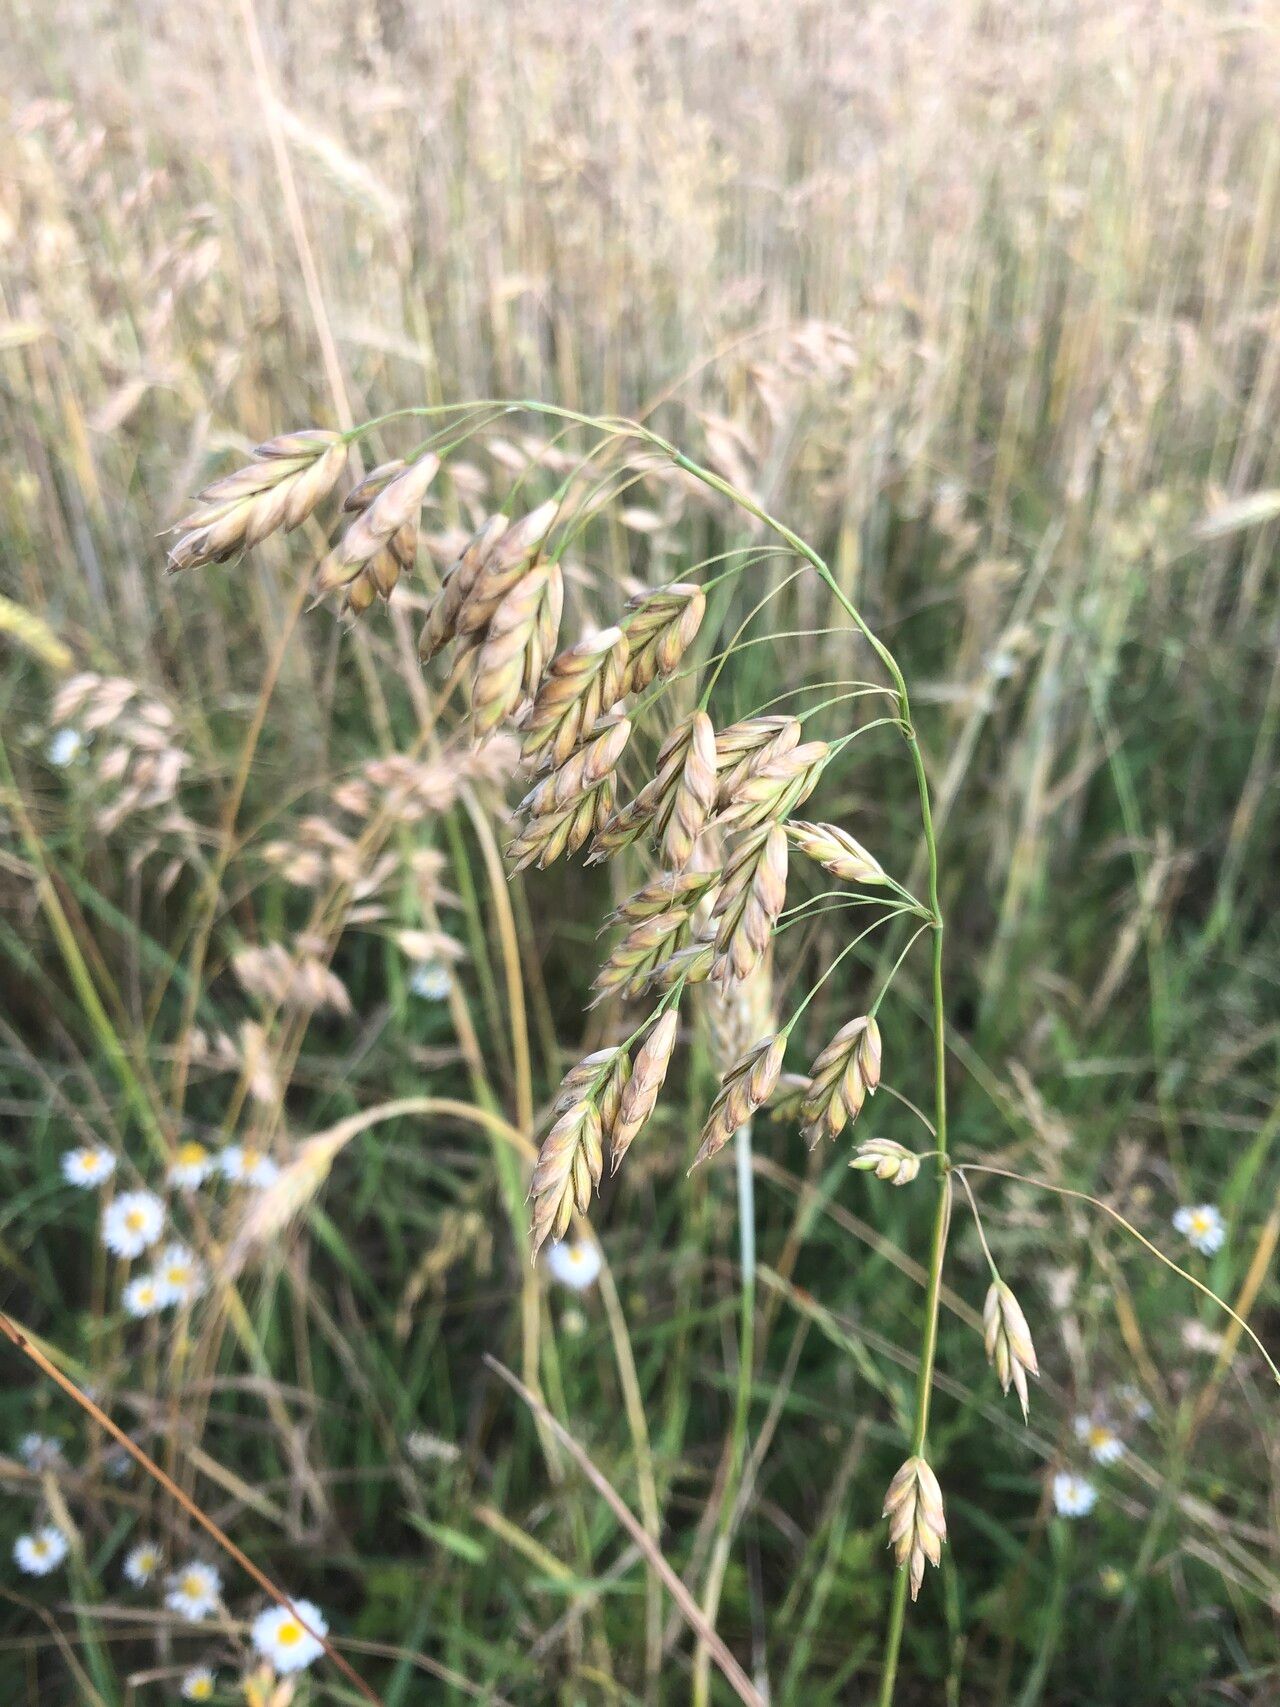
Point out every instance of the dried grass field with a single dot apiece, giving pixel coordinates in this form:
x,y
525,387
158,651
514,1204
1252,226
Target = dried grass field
x,y
546,552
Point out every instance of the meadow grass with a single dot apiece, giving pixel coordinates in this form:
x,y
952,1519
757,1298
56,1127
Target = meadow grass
x,y
982,305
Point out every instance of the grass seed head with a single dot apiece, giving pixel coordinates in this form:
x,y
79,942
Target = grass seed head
x,y
917,1524
398,505
842,1076
746,1087
568,1168
836,851
1008,1341
581,684
752,895
692,798
743,747
641,1090
659,627
504,665
441,625
289,477
773,788
888,1161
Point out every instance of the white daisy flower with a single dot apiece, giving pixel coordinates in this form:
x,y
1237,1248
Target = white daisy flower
x,y
198,1684
575,1263
195,1590
1202,1226
39,1451
246,1166
1104,1444
143,1296
141,1563
87,1166
1072,1495
432,981
280,1637
64,747
179,1275
131,1222
40,1553
191,1166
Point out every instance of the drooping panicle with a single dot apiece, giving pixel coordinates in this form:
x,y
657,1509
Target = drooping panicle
x,y
746,1087
659,627
917,1523
276,492
843,1075
836,851
1008,1341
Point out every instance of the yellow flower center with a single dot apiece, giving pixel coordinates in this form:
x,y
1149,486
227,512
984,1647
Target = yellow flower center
x,y
192,1154
1099,1436
40,1547
289,1633
178,1275
1199,1223
135,1220
193,1587
201,1690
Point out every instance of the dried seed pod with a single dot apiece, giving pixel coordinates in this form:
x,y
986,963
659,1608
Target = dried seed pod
x,y
836,851
1008,1341
288,478
773,789
397,505
888,1161
659,626
641,1092
743,746
580,685
752,893
569,1166
441,625
917,1524
843,1075
563,828
684,814
503,663
746,1087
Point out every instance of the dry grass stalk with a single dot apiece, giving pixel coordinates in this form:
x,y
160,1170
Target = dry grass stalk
x,y
917,1524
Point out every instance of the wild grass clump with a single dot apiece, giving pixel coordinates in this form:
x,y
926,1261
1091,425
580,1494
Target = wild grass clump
x,y
601,848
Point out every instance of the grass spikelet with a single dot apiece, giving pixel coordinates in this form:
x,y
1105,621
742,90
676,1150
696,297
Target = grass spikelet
x,y
842,1077
647,946
441,625
396,506
746,1087
689,758
642,1088
511,652
502,569
581,683
568,1169
1008,1341
917,1524
660,626
379,576
277,491
743,747
836,851
887,1160
773,787
752,894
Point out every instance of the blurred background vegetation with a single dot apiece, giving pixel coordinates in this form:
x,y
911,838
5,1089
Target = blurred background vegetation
x,y
981,300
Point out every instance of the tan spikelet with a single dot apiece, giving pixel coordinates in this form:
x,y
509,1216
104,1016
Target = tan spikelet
x,y
742,747
752,894
503,662
396,506
917,1524
648,945
691,964
891,1162
1008,1341
568,1168
843,1075
502,569
288,478
746,1087
641,1092
441,625
772,790
563,829
836,851
668,889
660,626
627,824
592,762
693,794
379,576
579,686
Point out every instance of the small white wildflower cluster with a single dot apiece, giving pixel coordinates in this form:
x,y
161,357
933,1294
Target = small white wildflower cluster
x,y
40,1552
574,1263
1202,1226
1073,1495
